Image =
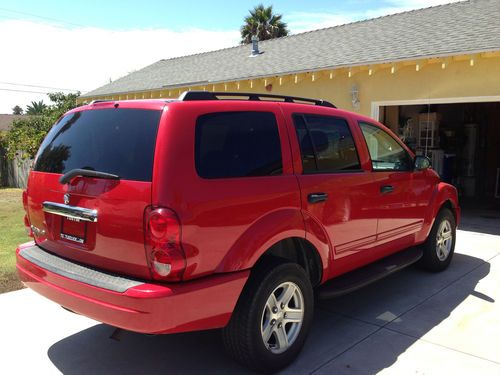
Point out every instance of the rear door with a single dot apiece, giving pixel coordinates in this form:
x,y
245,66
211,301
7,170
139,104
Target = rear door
x,y
335,189
228,176
393,174
96,221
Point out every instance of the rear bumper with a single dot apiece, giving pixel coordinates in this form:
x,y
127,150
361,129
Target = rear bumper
x,y
143,307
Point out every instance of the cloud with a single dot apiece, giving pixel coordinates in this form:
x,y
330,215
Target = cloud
x,y
306,21
86,58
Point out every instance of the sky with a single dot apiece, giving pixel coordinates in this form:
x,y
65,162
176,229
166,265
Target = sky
x,y
48,46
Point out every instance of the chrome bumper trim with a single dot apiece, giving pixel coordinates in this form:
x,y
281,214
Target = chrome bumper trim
x,y
73,212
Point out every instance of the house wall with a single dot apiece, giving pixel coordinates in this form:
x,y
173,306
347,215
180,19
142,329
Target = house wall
x,y
452,77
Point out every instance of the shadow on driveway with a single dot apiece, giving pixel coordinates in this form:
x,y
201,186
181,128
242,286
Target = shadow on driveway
x,y
340,326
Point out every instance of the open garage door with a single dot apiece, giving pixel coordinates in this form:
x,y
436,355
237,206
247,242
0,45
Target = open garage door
x,y
461,139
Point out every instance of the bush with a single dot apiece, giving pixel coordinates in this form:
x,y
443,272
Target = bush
x,y
27,133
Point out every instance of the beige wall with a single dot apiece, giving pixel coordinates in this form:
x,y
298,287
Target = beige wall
x,y
462,76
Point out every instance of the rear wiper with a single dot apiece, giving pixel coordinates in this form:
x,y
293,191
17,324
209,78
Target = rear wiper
x,y
68,176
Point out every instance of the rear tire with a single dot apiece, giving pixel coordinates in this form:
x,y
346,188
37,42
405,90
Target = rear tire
x,y
271,320
440,245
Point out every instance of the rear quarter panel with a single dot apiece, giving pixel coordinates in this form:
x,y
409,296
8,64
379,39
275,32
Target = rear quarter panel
x,y
226,223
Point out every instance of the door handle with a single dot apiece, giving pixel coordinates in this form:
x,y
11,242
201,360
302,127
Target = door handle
x,y
317,197
386,189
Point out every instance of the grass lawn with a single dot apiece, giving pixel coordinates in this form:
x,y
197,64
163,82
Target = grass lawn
x,y
12,233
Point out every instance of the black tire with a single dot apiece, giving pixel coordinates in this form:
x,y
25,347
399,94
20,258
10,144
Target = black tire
x,y
432,260
242,337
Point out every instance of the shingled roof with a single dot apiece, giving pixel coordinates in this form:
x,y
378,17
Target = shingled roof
x,y
7,120
451,29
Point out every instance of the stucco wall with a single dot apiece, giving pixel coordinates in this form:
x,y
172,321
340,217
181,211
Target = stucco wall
x,y
462,76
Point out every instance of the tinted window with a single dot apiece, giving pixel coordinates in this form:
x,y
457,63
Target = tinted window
x,y
326,144
237,144
386,153
117,141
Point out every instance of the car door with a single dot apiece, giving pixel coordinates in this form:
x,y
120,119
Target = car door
x,y
335,190
393,170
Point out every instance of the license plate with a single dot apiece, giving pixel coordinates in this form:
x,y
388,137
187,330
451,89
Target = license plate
x,y
73,230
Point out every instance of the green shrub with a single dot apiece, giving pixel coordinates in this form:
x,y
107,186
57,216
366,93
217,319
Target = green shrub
x,y
27,133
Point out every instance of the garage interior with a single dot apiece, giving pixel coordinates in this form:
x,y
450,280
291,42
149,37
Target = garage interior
x,y
463,142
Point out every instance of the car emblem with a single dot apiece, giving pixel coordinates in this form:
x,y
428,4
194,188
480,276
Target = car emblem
x,y
66,198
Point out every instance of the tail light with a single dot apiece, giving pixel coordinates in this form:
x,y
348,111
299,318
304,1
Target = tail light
x,y
27,223
163,244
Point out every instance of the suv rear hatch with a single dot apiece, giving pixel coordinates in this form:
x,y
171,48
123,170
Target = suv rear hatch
x,y
96,221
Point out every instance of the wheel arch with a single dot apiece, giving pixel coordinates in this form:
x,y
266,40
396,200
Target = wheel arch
x,y
281,234
444,196
296,250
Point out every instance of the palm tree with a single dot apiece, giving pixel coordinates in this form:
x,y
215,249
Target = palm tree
x,y
36,108
263,24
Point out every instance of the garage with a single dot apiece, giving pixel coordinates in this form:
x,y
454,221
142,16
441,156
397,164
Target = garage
x,y
460,138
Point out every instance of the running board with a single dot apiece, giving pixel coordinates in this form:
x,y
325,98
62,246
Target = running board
x,y
366,275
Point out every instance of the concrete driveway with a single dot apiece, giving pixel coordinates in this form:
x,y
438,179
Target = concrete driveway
x,y
411,322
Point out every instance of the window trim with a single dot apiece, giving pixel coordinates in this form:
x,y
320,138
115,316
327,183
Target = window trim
x,y
276,122
410,158
316,172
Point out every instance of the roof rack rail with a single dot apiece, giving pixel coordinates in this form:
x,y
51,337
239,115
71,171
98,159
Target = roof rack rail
x,y
207,95
100,101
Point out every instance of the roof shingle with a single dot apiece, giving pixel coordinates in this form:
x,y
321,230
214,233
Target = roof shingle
x,y
7,120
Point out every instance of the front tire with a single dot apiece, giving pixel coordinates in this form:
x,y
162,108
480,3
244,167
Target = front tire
x,y
270,323
440,245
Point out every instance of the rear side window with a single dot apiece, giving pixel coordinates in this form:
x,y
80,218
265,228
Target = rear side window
x,y
326,144
120,141
237,144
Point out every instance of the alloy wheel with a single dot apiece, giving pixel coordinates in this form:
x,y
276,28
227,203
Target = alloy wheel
x,y
444,240
282,317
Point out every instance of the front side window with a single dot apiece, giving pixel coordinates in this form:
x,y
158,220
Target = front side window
x,y
237,144
326,144
386,153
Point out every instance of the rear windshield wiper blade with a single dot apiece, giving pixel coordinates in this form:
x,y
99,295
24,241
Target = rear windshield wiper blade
x,y
68,176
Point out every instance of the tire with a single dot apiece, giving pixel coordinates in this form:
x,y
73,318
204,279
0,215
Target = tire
x,y
440,245
256,315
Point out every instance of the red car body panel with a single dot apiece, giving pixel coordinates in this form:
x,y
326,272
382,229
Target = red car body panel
x,y
148,308
204,206
227,224
115,242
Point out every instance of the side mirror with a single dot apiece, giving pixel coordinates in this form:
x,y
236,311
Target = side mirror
x,y
422,162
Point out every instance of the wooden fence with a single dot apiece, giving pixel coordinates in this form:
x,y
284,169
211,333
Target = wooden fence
x,y
14,173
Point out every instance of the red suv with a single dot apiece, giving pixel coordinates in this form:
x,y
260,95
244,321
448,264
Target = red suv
x,y
223,210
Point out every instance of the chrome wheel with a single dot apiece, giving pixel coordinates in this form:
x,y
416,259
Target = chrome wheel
x,y
444,240
282,317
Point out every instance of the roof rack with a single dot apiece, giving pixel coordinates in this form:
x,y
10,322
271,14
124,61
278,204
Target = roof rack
x,y
208,95
100,101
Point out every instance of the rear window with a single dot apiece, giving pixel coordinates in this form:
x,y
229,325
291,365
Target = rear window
x,y
237,144
120,141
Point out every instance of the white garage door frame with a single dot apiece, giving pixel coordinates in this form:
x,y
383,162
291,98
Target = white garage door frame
x,y
471,99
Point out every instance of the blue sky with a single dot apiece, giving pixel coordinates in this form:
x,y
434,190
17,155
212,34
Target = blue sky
x,y
83,45
181,15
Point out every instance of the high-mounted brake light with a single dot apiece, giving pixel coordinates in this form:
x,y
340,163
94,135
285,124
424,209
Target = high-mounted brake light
x,y
163,244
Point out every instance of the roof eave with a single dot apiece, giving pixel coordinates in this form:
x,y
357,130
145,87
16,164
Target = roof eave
x,y
292,72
